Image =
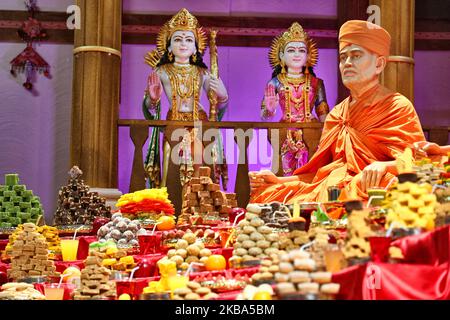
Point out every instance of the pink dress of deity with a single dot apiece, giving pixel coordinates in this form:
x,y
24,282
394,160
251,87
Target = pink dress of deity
x,y
298,97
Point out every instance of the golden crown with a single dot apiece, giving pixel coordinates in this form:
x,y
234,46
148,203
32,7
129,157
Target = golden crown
x,y
182,21
294,34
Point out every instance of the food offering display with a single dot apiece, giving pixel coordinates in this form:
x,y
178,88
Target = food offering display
x,y
204,202
357,245
20,291
411,205
95,279
50,234
77,206
123,231
29,255
17,204
148,206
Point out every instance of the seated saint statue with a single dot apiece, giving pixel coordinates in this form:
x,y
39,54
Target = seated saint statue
x,y
296,89
179,70
362,135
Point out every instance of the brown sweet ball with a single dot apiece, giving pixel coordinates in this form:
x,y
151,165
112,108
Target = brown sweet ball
x,y
330,288
177,259
192,296
204,260
191,259
182,253
181,244
193,285
240,252
205,253
182,291
211,296
256,236
189,237
255,251
203,291
286,267
308,287
242,237
248,244
184,266
193,250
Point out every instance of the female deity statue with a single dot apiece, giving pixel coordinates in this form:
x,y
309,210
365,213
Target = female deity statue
x,y
296,89
179,70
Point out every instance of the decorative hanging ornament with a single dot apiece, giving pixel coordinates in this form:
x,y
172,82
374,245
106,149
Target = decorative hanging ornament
x,y
29,61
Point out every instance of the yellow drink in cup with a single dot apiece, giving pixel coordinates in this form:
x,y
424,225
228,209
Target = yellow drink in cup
x,y
69,249
52,292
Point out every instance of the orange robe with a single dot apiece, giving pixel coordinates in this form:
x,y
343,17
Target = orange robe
x,y
378,127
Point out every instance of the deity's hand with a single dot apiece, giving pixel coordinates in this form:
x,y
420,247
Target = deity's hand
x,y
423,149
154,86
372,175
271,98
217,86
262,178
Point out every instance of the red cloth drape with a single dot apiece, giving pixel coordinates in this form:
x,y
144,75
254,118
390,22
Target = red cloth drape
x,y
425,275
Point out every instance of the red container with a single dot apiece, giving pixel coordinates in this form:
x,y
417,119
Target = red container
x,y
134,287
379,248
150,243
234,213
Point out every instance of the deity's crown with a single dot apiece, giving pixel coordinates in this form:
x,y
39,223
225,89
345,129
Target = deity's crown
x,y
182,21
294,34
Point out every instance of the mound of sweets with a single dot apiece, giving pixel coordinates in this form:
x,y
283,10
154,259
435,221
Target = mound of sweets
x,y
20,291
146,204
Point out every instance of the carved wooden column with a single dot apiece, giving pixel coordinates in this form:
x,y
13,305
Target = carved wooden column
x,y
397,17
96,89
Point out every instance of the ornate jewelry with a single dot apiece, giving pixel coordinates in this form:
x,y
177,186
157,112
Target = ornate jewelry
x,y
294,34
185,83
287,82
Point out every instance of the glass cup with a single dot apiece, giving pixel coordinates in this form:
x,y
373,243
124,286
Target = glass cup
x,y
52,292
149,243
334,258
69,249
379,248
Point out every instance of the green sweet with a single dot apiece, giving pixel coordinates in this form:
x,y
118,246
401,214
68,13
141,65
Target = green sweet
x,y
2,199
35,212
35,204
11,179
5,225
19,188
16,199
9,194
7,205
25,205
27,194
24,215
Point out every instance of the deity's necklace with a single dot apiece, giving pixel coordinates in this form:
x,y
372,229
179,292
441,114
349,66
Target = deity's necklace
x,y
185,83
289,97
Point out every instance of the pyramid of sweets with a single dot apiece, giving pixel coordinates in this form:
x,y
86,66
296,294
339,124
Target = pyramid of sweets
x,y
121,230
411,205
357,246
147,204
188,250
76,205
427,172
296,273
50,234
29,255
17,204
254,240
95,283
202,197
275,215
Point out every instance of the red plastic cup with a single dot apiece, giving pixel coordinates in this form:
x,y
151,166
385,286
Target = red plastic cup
x,y
134,287
149,243
234,212
379,248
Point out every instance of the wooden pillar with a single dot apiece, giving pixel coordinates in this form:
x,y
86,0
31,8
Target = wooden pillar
x,y
96,88
397,17
348,10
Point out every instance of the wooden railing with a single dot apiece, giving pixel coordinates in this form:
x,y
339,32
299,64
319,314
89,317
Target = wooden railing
x,y
139,133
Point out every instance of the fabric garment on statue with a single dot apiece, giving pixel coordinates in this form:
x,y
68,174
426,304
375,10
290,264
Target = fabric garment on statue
x,y
296,96
377,127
